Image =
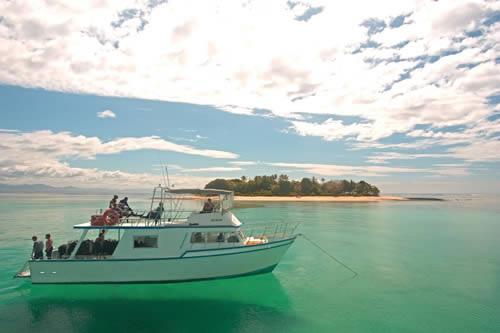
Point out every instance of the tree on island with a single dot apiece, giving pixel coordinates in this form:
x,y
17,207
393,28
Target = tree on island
x,y
282,185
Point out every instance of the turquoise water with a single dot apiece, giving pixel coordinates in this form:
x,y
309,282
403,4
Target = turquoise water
x,y
423,267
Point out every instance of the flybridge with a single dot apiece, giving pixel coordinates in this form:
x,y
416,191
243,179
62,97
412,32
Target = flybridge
x,y
170,208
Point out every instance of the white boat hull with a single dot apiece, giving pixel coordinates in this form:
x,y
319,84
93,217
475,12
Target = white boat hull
x,y
191,266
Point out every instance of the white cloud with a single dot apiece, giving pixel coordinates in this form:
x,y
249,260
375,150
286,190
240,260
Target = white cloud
x,y
347,170
243,163
106,114
42,157
56,173
66,145
264,58
334,170
213,169
384,157
480,151
4,130
242,57
330,129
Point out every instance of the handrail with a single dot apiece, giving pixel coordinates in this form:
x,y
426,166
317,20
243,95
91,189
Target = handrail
x,y
270,231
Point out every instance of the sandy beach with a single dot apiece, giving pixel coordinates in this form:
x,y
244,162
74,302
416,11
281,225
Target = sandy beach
x,y
317,199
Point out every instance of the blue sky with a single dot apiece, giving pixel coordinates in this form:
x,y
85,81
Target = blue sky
x,y
404,95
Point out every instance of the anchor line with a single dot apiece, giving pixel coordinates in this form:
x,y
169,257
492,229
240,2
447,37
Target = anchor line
x,y
328,254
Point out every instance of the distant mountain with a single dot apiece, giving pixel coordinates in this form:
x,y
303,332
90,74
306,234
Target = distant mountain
x,y
42,188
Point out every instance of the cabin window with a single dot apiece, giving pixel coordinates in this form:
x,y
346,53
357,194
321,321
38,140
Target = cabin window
x,y
216,237
232,237
145,241
198,237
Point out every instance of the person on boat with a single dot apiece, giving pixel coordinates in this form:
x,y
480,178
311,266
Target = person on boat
x,y
158,212
124,207
155,214
123,204
113,202
99,245
208,207
37,248
48,246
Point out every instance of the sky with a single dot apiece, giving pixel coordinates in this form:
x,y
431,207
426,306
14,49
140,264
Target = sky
x,y
104,93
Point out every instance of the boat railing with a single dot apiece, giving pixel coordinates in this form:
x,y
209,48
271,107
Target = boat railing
x,y
147,219
248,235
270,231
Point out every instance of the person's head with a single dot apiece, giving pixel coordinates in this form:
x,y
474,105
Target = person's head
x,y
160,204
209,200
115,196
125,199
34,238
47,236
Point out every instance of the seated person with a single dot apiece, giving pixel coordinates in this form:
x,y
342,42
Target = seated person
x,y
220,238
125,208
112,202
197,238
208,207
233,238
157,213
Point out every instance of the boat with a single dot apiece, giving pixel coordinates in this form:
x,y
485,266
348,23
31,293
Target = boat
x,y
176,242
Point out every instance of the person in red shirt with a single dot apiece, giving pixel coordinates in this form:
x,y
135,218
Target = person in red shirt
x,y
48,246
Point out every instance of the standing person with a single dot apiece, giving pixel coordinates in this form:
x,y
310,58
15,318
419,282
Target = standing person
x,y
37,248
112,203
99,245
48,246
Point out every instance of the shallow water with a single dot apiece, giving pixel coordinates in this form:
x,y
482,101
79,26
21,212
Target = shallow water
x,y
423,267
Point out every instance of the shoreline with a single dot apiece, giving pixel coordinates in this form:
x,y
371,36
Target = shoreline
x,y
240,198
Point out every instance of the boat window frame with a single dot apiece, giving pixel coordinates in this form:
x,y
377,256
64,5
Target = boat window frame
x,y
231,234
203,237
213,237
134,240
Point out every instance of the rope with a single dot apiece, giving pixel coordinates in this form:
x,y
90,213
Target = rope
x,y
328,254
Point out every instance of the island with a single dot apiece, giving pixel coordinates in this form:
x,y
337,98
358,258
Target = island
x,y
282,188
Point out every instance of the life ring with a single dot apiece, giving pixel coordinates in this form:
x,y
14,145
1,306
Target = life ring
x,y
111,217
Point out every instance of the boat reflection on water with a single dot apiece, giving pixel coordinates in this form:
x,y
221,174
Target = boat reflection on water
x,y
254,304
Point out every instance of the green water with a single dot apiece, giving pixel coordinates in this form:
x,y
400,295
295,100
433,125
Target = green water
x,y
423,267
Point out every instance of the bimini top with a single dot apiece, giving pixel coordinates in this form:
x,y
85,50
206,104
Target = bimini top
x,y
197,191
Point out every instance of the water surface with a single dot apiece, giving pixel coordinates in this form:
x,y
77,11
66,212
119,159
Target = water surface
x,y
423,267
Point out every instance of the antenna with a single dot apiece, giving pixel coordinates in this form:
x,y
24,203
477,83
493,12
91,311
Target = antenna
x,y
168,178
163,174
